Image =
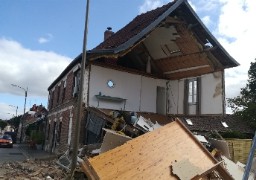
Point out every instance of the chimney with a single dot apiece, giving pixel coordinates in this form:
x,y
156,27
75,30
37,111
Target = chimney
x,y
108,33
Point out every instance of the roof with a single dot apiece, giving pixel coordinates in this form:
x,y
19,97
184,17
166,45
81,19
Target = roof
x,y
200,123
132,29
145,23
156,155
66,70
209,123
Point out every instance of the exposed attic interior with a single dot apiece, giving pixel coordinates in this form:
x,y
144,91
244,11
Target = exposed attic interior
x,y
170,51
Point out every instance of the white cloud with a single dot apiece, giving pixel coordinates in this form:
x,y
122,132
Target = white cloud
x,y
45,39
235,22
234,28
151,4
207,6
206,20
28,68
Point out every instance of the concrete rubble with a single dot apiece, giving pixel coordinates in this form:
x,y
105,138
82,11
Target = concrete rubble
x,y
31,169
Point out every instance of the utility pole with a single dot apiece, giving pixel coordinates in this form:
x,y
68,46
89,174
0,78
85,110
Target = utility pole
x,y
80,96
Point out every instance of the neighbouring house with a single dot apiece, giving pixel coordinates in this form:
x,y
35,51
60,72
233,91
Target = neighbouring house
x,y
164,63
34,120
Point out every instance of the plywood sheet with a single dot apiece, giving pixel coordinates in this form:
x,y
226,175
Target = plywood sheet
x,y
151,155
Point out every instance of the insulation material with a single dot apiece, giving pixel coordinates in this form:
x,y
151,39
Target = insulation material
x,y
191,169
112,140
221,145
151,155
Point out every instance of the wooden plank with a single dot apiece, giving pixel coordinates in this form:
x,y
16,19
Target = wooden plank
x,y
182,62
191,73
151,155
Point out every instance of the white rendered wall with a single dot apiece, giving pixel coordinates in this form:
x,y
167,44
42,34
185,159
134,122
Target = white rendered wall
x,y
140,91
211,95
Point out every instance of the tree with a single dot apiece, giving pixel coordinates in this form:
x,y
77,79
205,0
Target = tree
x,y
3,124
15,121
244,105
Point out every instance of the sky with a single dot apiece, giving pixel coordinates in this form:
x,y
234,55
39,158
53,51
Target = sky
x,y
38,39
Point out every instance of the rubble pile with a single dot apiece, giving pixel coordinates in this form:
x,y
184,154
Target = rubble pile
x,y
32,170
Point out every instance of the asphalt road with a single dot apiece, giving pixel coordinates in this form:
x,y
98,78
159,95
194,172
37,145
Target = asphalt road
x,y
11,154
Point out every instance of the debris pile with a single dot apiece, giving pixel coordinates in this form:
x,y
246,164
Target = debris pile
x,y
32,170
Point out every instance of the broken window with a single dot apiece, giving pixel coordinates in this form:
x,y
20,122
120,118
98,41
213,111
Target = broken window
x,y
94,127
192,91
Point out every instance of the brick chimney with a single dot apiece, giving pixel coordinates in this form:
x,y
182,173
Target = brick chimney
x,y
108,33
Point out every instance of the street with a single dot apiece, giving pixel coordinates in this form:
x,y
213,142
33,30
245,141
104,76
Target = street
x,y
11,154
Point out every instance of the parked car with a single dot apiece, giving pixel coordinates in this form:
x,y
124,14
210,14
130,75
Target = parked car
x,y
6,141
12,134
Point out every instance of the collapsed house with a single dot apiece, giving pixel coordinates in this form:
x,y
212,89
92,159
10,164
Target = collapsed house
x,y
164,62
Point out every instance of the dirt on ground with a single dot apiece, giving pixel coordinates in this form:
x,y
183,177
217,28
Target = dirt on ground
x,y
30,169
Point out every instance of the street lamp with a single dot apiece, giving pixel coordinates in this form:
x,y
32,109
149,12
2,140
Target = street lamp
x,y
14,107
26,94
21,122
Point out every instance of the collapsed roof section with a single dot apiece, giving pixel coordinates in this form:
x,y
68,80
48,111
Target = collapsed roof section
x,y
161,154
172,40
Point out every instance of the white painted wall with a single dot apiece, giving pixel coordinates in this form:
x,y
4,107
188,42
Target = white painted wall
x,y
140,91
211,95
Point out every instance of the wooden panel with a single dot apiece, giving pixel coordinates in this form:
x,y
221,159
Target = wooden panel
x,y
151,155
181,62
192,73
187,43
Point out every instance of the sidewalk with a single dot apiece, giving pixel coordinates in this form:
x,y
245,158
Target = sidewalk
x,y
35,154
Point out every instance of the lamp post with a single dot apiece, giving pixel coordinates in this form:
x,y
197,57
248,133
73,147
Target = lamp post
x,y
21,122
14,107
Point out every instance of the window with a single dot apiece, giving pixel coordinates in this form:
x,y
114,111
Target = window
x,y
63,91
192,91
52,98
59,132
76,82
58,94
